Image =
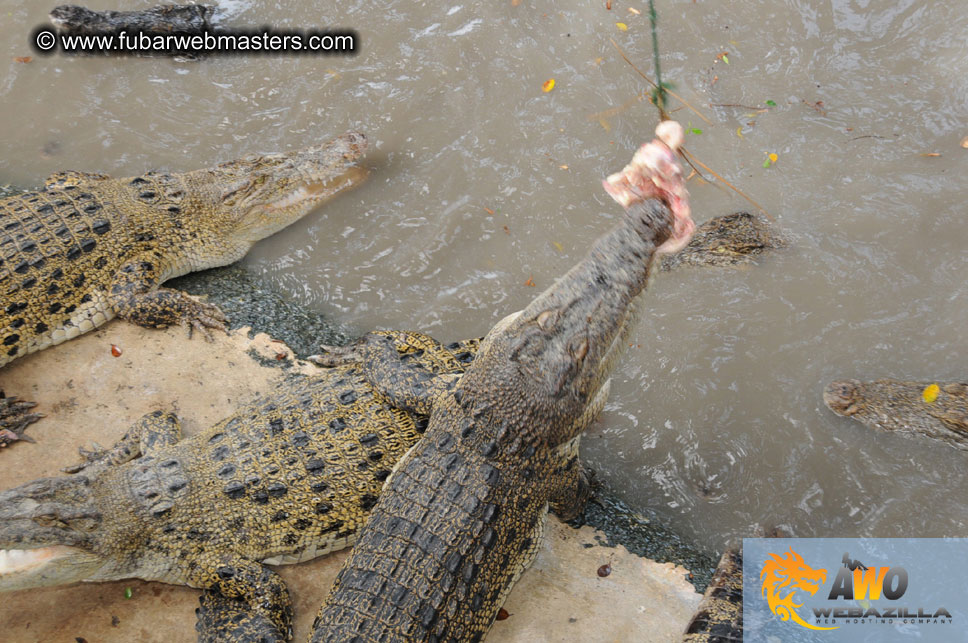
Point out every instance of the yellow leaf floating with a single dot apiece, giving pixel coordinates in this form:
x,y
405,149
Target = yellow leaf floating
x,y
622,26
773,158
548,85
930,393
739,132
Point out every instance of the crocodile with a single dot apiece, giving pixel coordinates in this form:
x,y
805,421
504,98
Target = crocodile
x,y
906,408
730,240
160,20
284,479
461,516
89,247
719,617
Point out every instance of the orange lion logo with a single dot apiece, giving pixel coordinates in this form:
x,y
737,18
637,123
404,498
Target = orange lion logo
x,y
790,572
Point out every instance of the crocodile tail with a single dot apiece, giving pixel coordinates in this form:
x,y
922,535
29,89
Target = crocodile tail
x,y
720,614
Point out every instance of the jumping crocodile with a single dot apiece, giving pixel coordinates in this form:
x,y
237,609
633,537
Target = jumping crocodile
x,y
284,479
160,20
719,617
462,514
89,247
729,240
937,411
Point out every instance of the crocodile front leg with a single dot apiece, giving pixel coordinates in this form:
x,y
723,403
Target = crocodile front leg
x,y
244,601
390,369
570,482
573,489
15,416
150,433
135,296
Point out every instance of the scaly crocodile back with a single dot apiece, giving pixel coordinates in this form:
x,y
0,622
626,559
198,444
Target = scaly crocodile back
x,y
453,550
283,480
719,617
61,248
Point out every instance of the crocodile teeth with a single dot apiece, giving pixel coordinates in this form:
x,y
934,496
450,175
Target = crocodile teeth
x,y
321,189
20,560
304,192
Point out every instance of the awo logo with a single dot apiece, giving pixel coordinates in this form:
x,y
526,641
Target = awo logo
x,y
785,577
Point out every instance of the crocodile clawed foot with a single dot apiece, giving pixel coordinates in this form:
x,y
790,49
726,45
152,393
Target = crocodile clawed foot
x,y
204,317
14,419
227,619
336,356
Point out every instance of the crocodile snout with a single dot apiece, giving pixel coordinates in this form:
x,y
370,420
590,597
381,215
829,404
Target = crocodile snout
x,y
840,396
355,143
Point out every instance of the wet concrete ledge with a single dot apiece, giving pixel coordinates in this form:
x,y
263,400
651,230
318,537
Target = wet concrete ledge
x,y
90,395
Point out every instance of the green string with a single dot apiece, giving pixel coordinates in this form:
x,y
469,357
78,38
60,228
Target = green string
x,y
659,94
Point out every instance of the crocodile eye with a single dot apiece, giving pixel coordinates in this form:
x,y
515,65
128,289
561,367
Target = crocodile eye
x,y
49,520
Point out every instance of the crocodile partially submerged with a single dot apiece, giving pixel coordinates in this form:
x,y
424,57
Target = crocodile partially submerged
x,y
285,479
906,408
462,514
89,247
730,240
160,20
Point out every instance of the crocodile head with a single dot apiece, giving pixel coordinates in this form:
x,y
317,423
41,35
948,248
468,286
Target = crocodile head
x,y
542,370
257,196
70,17
161,20
560,350
905,408
49,531
730,240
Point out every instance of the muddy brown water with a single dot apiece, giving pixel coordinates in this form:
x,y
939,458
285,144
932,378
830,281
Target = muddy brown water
x,y
480,181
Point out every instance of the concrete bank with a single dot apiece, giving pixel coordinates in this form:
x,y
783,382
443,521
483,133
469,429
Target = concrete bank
x,y
88,395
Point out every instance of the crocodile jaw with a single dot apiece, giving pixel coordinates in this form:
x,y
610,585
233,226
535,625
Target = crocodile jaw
x,y
13,561
263,219
44,566
311,193
260,195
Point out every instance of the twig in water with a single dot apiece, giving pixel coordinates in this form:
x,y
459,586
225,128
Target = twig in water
x,y
615,111
737,105
817,106
689,157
